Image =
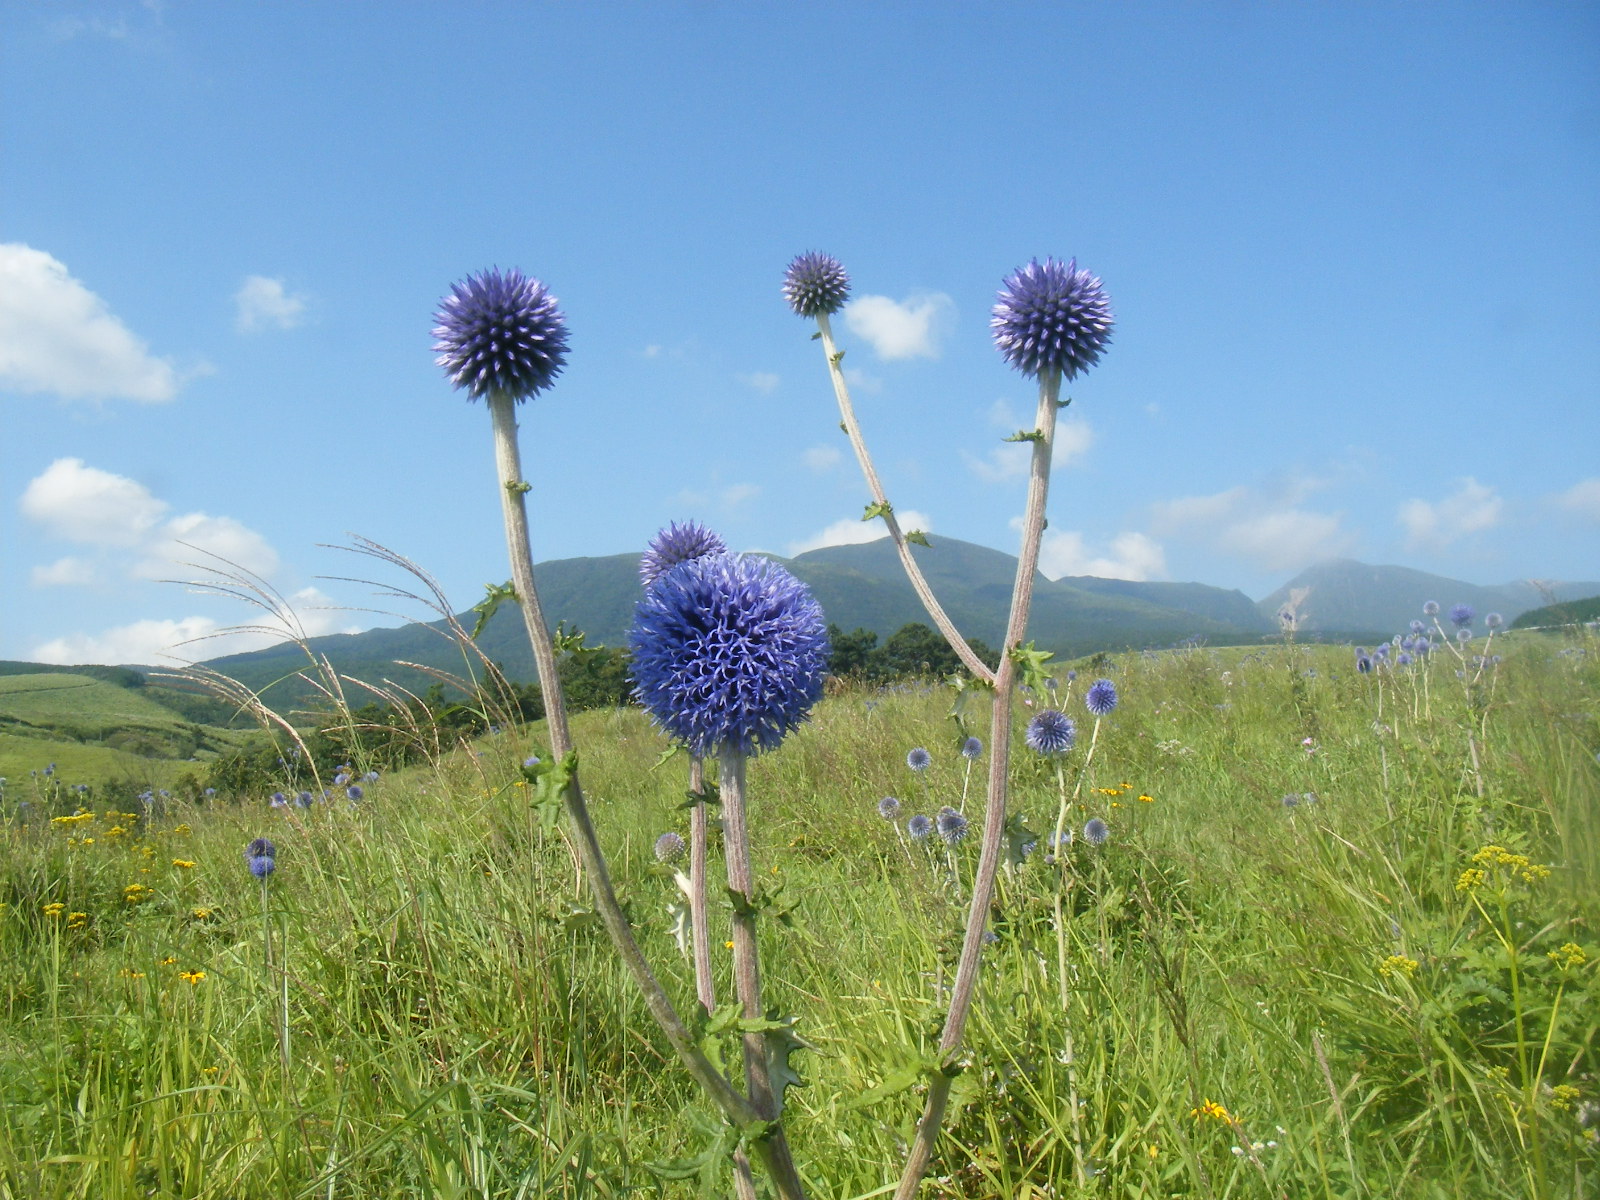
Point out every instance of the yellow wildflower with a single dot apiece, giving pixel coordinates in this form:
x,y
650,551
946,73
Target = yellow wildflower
x,y
1148,799
1211,1109
1570,955
1397,964
54,909
1471,878
1562,1096
182,862
77,920
191,977
130,973
202,914
727,945
168,961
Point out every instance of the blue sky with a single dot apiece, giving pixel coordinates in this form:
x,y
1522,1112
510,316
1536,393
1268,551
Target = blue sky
x,y
1353,251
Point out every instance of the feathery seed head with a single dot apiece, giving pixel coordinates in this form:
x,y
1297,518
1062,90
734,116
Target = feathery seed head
x,y
500,331
729,653
815,284
1051,316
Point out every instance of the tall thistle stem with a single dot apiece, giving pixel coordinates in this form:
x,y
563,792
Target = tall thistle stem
x,y
508,466
994,819
699,917
852,428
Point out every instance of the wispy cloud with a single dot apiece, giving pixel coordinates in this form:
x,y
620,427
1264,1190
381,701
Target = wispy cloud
x,y
263,303
821,458
764,382
1010,461
1269,531
910,328
57,336
64,572
1582,498
852,531
1471,508
1130,556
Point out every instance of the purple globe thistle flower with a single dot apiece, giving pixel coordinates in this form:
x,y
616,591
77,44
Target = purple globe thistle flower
x,y
1101,697
971,748
341,779
1463,635
1051,732
262,865
354,791
729,653
815,284
1405,659
919,759
1461,615
676,544
1431,609
1363,664
1291,800
500,332
279,800
1494,620
919,827
1096,831
1417,626
531,761
1051,317
889,808
953,827
669,848
1382,650
305,799
259,847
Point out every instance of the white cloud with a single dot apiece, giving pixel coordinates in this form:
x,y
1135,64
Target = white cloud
x,y
852,531
57,336
736,494
1012,460
1268,531
155,642
1582,498
64,572
86,505
1131,556
764,382
821,458
908,329
196,539
261,303
1472,508
861,382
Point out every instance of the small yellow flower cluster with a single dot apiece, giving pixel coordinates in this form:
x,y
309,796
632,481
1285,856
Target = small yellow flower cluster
x,y
1211,1109
191,977
76,818
130,973
1562,1096
1471,879
1146,798
203,914
1570,955
116,831
182,863
1397,964
137,893
80,841
77,920
54,909
1518,864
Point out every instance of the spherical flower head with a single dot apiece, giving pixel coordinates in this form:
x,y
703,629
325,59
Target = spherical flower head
x,y
1051,732
889,808
1363,664
919,827
919,759
279,800
1494,620
669,848
262,865
305,799
1051,317
953,827
1405,659
354,791
816,284
259,847
1291,800
1431,609
971,749
1101,697
677,544
500,331
1096,831
1461,615
1417,626
729,653
1463,635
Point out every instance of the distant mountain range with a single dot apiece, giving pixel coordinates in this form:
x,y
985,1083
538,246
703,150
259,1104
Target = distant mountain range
x,y
863,586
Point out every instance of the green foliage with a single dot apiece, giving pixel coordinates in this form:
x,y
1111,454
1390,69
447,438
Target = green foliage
x,y
914,651
1570,612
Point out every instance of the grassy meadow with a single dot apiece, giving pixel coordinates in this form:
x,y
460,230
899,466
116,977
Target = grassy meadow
x,y
1341,942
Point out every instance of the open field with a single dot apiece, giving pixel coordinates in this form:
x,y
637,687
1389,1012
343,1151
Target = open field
x,y
1341,942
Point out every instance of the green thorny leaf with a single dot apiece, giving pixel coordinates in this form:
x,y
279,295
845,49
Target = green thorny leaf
x,y
837,357
779,1037
704,1165
1030,665
566,642
494,595
877,510
1025,435
1018,837
518,487
919,538
775,902
548,782
709,794
901,1079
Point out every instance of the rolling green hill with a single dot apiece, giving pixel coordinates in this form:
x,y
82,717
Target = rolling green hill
x,y
1573,612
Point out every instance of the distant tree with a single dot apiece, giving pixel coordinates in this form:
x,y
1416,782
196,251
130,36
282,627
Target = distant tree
x,y
852,652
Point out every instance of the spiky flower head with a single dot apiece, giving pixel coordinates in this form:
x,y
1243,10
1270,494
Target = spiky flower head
x,y
676,544
889,808
1430,608
971,748
354,791
1461,615
816,284
1494,620
669,848
919,827
262,865
1051,732
1096,831
1051,317
260,846
953,827
919,759
500,331
1101,697
729,653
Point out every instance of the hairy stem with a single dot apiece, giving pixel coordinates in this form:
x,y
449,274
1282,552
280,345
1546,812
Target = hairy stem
x,y
847,412
508,465
994,819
